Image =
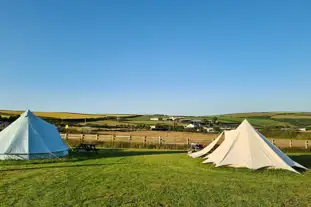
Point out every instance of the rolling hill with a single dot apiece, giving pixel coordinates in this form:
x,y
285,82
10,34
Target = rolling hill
x,y
259,119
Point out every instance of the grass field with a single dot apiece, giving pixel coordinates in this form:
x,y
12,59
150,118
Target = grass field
x,y
148,178
254,121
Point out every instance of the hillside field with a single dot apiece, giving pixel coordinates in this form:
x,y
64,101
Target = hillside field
x,y
258,119
63,115
117,177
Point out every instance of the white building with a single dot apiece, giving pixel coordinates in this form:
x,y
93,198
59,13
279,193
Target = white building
x,y
191,126
209,129
155,119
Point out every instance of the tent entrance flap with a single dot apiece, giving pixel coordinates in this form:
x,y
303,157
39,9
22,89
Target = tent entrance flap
x,y
207,149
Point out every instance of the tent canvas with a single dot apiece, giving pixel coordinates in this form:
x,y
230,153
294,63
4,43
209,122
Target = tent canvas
x,y
207,149
229,137
249,148
30,137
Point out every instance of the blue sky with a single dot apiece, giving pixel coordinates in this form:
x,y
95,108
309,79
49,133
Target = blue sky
x,y
173,57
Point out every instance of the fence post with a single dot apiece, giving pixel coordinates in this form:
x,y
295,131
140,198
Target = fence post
x,y
159,140
273,141
82,137
97,137
130,141
66,136
306,144
112,139
188,141
145,141
290,143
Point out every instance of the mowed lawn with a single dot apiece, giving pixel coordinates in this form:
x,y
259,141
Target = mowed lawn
x,y
148,178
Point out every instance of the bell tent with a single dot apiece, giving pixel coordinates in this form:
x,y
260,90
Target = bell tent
x,y
30,137
246,147
207,149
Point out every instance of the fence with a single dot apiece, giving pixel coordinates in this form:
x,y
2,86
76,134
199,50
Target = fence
x,y
165,141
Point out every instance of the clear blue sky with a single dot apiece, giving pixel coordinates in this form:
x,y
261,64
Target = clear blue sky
x,y
175,57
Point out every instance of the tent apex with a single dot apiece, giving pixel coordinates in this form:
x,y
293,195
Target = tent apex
x,y
27,113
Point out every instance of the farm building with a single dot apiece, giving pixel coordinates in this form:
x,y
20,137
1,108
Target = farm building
x,y
192,126
209,129
155,119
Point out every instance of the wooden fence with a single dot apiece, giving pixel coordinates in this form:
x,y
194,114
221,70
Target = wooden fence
x,y
167,140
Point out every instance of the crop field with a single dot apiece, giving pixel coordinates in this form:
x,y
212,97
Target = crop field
x,y
117,177
291,117
64,115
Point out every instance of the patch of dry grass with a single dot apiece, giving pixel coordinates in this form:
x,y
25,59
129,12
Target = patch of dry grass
x,y
64,115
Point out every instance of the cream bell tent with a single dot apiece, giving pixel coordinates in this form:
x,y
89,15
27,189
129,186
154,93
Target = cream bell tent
x,y
246,147
223,147
207,149
30,137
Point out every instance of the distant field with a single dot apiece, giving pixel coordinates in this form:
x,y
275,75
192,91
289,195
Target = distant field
x,y
143,118
252,114
254,121
64,115
107,122
155,122
291,117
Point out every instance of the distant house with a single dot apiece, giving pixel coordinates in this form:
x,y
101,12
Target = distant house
x,y
191,126
302,129
155,119
227,127
176,118
209,129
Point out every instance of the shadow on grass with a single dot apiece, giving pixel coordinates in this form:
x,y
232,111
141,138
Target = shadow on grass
x,y
304,160
84,156
121,153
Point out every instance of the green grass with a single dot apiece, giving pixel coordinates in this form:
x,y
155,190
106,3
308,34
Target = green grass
x,y
254,121
148,178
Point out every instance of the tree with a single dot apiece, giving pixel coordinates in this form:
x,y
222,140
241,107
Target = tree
x,y
215,119
217,129
206,122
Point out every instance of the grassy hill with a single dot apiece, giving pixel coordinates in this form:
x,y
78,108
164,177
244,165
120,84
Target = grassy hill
x,y
117,177
258,119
